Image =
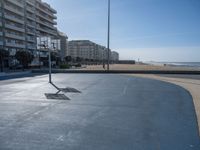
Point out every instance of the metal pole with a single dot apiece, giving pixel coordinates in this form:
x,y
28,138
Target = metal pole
x,y
39,54
49,64
108,42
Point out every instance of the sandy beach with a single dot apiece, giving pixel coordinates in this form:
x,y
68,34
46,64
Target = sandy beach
x,y
139,67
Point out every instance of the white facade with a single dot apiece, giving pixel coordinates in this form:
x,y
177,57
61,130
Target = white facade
x,y
114,56
87,50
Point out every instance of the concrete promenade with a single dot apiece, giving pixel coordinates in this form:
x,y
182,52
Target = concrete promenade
x,y
112,112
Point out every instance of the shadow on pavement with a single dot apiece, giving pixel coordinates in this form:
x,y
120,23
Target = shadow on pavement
x,y
57,96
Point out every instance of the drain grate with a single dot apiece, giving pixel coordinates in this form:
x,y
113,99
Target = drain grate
x,y
69,90
56,96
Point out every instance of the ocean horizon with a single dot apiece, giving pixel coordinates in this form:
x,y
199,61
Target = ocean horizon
x,y
178,64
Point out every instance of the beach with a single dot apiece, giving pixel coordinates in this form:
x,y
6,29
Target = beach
x,y
141,67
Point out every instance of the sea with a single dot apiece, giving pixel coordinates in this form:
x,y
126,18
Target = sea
x,y
177,64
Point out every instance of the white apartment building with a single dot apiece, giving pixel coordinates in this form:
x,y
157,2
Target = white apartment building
x,y
22,21
87,50
114,56
63,45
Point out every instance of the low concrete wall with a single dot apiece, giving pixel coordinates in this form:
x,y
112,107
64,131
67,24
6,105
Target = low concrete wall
x,y
5,76
119,71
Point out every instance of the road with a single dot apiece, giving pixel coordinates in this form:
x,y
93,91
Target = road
x,y
112,112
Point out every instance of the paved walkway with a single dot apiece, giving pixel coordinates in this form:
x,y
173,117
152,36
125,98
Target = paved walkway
x,y
112,112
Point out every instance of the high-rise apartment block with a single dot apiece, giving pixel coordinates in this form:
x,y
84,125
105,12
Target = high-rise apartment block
x,y
87,50
22,21
63,45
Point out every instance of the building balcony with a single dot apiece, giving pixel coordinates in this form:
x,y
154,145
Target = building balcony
x,y
44,11
15,45
54,17
17,3
46,18
1,33
13,36
12,27
46,24
54,22
30,32
31,47
10,8
31,17
30,2
1,42
12,18
1,24
31,25
51,32
32,40
30,9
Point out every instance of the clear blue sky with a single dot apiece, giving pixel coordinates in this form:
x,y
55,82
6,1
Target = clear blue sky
x,y
157,30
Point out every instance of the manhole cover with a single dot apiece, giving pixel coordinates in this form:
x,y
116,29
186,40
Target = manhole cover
x,y
56,96
69,90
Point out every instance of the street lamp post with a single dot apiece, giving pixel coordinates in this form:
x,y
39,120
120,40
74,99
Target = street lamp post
x,y
108,38
50,66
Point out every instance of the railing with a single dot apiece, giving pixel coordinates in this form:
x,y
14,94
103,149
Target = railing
x,y
15,45
10,8
30,9
16,3
46,24
31,17
47,31
44,10
14,28
15,36
46,18
12,18
31,47
31,25
30,2
31,32
31,39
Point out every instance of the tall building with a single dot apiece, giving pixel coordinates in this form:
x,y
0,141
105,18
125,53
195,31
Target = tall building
x,y
81,48
63,45
22,21
87,50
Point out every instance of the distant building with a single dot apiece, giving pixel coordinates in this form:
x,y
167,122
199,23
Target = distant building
x,y
114,56
87,50
63,45
126,62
